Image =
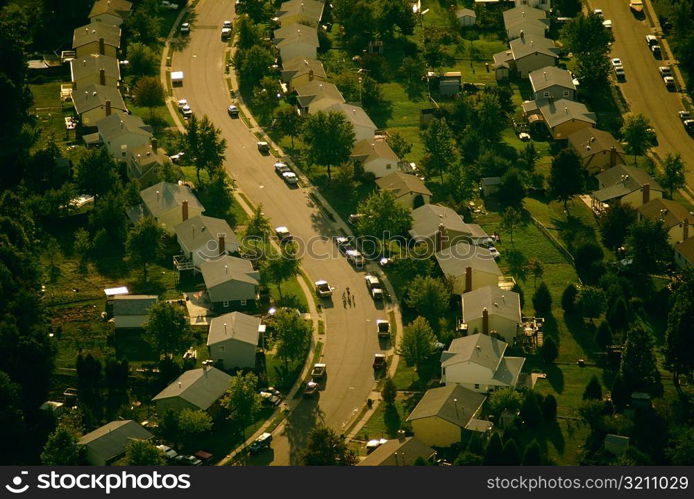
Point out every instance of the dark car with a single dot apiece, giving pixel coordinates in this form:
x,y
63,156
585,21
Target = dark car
x,y
379,361
311,389
233,111
261,443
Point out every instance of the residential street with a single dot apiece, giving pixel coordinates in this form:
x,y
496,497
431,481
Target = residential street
x,y
644,89
351,338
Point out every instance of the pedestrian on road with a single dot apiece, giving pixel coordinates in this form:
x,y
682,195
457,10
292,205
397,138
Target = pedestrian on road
x,y
344,301
348,292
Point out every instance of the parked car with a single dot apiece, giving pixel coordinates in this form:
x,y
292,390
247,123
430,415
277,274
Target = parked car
x,y
283,234
168,453
226,33
651,40
183,460
684,115
185,28
383,329
186,111
494,252
343,244
607,23
372,445
263,147
665,70
233,111
182,103
261,443
311,389
373,283
636,6
619,73
655,49
379,361
689,126
270,398
169,5
290,178
598,12
323,289
176,158
669,82
616,62
318,372
355,258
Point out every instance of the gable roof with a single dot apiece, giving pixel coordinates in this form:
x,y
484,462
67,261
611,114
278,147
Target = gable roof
x,y
686,250
465,12
228,268
550,76
96,96
200,387
369,150
165,196
532,44
133,304
634,178
300,66
476,231
522,13
90,65
129,128
509,370
234,326
110,441
354,114
427,218
670,212
480,349
296,33
452,403
92,32
402,184
120,8
202,232
318,95
455,260
556,112
310,9
398,453
495,300
589,141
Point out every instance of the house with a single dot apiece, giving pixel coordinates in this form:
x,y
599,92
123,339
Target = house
x,y
674,217
438,226
95,102
561,117
316,96
477,234
492,310
296,40
466,17
306,11
233,340
203,238
94,69
616,444
409,190
552,82
170,204
532,52
537,4
598,149
625,184
112,12
503,64
468,267
684,253
477,362
364,128
132,311
96,38
525,20
375,156
109,442
399,452
450,83
489,185
197,389
300,70
230,281
442,415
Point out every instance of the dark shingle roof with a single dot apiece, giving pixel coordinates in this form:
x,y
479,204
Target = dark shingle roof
x,y
496,300
120,8
670,212
398,453
531,44
300,66
229,268
96,96
621,180
91,65
201,387
589,141
401,184
164,196
203,232
478,348
427,218
439,402
93,32
110,441
133,304
556,112
454,260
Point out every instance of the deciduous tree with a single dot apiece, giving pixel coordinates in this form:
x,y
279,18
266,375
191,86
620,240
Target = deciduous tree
x,y
418,342
242,400
429,296
292,337
329,138
638,369
673,176
167,329
615,223
149,93
145,243
438,143
143,453
324,447
636,134
567,176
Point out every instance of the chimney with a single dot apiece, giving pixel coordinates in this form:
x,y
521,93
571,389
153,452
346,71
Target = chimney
x,y
440,237
108,108
485,321
646,189
84,63
102,47
522,35
225,329
613,156
184,211
685,230
221,244
157,195
179,384
468,279
102,77
401,435
155,144
310,75
545,73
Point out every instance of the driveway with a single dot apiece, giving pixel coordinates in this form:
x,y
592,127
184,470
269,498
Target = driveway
x,y
351,338
644,89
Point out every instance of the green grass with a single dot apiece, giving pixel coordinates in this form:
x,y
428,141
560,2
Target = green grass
x,y
292,295
50,112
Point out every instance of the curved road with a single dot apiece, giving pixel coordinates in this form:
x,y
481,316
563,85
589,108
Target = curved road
x,y
351,338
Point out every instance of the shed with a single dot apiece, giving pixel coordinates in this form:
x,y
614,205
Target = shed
x,y
466,17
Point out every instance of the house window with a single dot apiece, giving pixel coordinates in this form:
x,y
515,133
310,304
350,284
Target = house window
x,y
566,93
477,386
225,304
221,347
546,94
388,166
243,303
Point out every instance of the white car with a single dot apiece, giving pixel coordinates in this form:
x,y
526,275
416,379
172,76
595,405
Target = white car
x,y
283,234
182,103
186,111
607,23
355,258
226,24
169,5
175,158
494,252
383,329
226,33
167,452
185,28
598,12
233,111
665,70
323,289
290,178
616,62
669,82
524,136
374,285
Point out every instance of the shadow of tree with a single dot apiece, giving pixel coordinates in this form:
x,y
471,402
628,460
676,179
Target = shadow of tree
x,y
583,332
299,423
573,230
391,418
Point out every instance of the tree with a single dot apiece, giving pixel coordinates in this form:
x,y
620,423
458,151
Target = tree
x,y
504,400
603,335
82,246
418,343
61,448
265,98
511,189
673,176
618,314
438,143
593,70
593,389
511,219
96,173
248,34
258,225
252,64
637,135
429,296
615,223
542,300
242,400
143,60
532,456
109,212
395,14
167,329
567,176
287,121
530,410
256,10
143,453
647,244
493,453
389,391
679,350
536,268
359,21
680,449
149,93
412,71
399,144
510,455
549,350
329,138
382,216
144,25
283,266
590,302
192,424
145,243
549,408
638,369
568,298
293,336
516,288
588,258
324,447
204,145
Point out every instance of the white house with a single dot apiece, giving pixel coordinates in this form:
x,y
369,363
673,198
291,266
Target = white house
x,y
375,156
477,362
170,204
491,309
203,238
364,128
408,190
230,281
233,340
469,267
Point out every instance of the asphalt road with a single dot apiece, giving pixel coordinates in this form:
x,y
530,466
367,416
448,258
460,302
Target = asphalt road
x,y
351,338
644,89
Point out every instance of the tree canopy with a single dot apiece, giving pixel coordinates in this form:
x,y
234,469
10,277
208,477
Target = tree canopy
x,y
418,342
329,138
567,176
145,243
324,447
167,329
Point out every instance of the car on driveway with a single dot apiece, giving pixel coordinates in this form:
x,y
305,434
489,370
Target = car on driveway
x,y
494,252
233,111
283,234
669,82
167,452
323,289
383,329
270,398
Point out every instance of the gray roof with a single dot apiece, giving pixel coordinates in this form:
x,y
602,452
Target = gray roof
x,y
229,268
368,150
300,66
439,402
295,33
91,65
398,453
454,260
427,218
133,304
621,180
465,12
476,231
236,326
93,32
556,112
110,441
203,232
402,183
314,91
200,387
671,213
124,128
686,250
532,44
478,348
95,96
354,114
309,9
509,369
589,141
120,8
522,14
503,59
164,196
550,76
495,300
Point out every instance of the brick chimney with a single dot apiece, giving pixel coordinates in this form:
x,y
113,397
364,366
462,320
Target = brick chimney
x,y
485,321
155,144
102,77
685,230
108,108
221,244
646,189
184,211
102,46
468,279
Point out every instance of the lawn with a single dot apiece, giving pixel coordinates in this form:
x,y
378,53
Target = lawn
x,y
50,112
